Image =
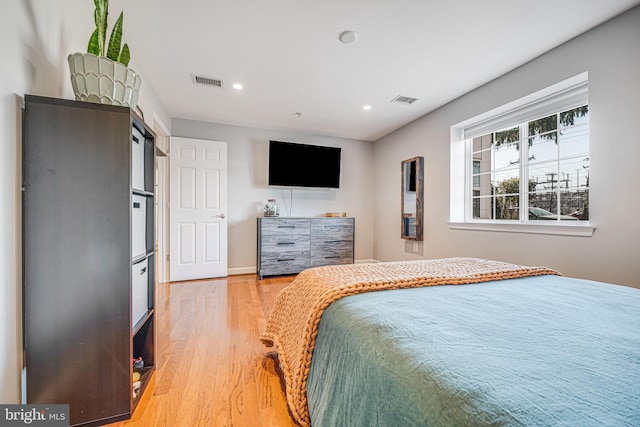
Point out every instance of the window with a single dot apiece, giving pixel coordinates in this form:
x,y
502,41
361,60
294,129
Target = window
x,y
525,165
550,155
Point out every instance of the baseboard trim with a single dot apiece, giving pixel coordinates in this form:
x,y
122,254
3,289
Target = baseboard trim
x,y
365,261
241,270
254,270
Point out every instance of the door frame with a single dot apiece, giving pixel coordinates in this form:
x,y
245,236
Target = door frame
x,y
162,199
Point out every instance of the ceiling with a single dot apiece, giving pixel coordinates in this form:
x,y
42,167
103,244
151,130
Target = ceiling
x,y
298,76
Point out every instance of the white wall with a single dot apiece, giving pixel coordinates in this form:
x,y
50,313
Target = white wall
x,y
36,36
248,161
610,55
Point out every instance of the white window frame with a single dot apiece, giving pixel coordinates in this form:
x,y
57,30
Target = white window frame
x,y
563,96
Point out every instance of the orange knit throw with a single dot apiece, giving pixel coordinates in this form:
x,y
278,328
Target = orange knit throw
x,y
293,323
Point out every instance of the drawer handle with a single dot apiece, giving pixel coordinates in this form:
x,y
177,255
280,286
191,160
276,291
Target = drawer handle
x,y
286,226
331,257
333,241
286,259
286,243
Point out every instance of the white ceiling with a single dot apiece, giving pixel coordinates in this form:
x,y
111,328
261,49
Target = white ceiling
x,y
287,55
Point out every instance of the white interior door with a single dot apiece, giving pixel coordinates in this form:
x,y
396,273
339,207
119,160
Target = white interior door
x,y
198,207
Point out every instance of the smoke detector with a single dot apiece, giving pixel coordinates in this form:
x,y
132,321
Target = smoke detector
x,y
348,36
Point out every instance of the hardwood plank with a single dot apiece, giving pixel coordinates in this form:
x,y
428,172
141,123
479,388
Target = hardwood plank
x,y
212,369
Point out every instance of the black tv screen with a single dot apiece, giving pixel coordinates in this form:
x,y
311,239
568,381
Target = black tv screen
x,y
301,165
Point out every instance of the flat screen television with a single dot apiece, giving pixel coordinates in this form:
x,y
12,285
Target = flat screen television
x,y
302,165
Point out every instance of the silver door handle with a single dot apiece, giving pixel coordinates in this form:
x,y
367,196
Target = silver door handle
x,y
219,216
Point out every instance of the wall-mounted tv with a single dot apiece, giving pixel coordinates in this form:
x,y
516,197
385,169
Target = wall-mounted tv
x,y
302,165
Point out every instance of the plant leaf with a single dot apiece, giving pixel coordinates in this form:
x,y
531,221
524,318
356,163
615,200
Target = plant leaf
x,y
116,39
100,17
125,55
94,46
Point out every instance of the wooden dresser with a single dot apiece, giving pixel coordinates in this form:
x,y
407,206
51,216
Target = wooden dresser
x,y
290,245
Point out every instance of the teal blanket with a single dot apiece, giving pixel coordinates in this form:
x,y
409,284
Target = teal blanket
x,y
535,351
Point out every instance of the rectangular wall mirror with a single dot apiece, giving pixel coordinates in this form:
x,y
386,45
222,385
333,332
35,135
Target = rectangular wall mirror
x,y
412,198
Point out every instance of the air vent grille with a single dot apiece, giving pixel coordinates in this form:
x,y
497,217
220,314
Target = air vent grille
x,y
207,81
404,100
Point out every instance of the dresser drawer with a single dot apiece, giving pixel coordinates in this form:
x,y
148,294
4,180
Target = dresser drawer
x,y
285,243
319,244
284,226
284,262
332,256
332,228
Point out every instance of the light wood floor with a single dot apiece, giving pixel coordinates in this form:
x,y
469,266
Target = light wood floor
x,y
212,369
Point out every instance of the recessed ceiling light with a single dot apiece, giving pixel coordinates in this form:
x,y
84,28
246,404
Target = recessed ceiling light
x,y
366,107
348,36
237,86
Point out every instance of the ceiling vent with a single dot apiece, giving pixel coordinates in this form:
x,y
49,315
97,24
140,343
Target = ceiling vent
x,y
404,100
207,81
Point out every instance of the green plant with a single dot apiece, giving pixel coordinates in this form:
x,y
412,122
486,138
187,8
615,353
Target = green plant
x,y
98,41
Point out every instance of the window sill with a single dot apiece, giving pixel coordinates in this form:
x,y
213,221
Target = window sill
x,y
580,230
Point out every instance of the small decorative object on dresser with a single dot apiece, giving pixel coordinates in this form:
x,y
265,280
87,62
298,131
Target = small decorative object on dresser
x,y
290,245
271,208
335,214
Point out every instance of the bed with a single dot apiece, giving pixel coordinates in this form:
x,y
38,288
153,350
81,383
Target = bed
x,y
456,342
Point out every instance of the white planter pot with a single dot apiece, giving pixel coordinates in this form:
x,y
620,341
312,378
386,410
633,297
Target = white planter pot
x,y
99,79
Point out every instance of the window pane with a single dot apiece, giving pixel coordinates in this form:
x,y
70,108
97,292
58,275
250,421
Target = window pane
x,y
476,171
574,173
506,148
574,204
482,162
543,176
508,207
507,181
482,142
506,156
543,205
574,141
484,184
476,204
543,125
483,208
543,148
507,136
507,184
577,116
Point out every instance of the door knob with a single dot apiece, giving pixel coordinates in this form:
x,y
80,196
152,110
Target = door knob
x,y
219,216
